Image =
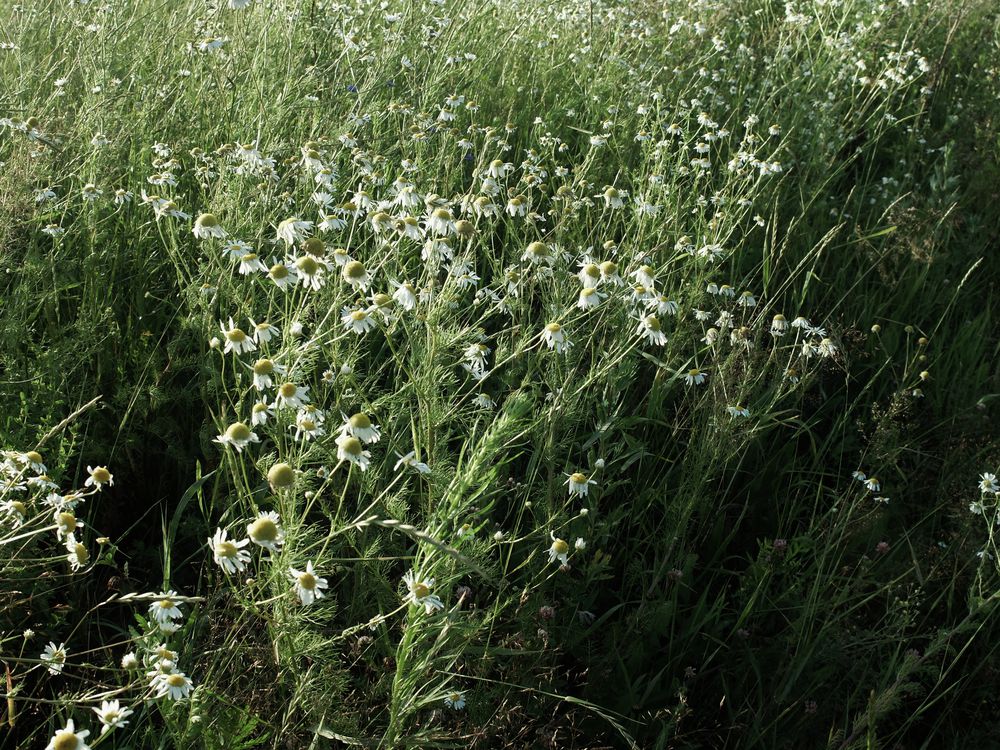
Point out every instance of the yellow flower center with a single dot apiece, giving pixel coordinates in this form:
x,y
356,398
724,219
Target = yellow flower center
x,y
176,680
19,507
238,431
694,372
361,422
538,249
67,521
421,590
579,478
553,328
308,425
381,299
281,475
358,315
560,546
82,555
352,445
308,265
442,213
236,335
65,740
207,220
278,271
34,456
263,367
287,390
314,246
307,581
264,529
609,267
226,549
652,323
354,270
166,603
101,475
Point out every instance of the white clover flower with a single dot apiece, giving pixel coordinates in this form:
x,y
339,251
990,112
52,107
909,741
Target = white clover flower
x,y
227,553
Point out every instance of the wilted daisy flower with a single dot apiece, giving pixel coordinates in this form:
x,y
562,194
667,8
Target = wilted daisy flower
x,y
609,273
555,338
649,329
237,435
112,715
308,586
91,192
78,555
130,660
580,543
66,523
174,686
165,608
55,657
455,700
283,275
293,230
441,222
99,476
236,339
589,298
826,348
311,271
558,550
307,426
419,592
263,332
207,226
227,553
738,411
69,739
410,460
589,274
988,483
613,198
537,253
357,320
579,484
356,275
872,483
405,295
350,449
265,531
14,511
694,376
260,413
779,326
263,369
290,395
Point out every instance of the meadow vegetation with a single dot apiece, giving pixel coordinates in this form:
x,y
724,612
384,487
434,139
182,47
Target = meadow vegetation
x,y
464,373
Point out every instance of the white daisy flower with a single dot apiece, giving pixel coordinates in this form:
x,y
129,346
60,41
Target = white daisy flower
x,y
236,339
263,332
311,271
357,320
579,484
55,657
609,273
405,295
265,531
662,304
455,700
66,523
307,585
589,298
112,715
589,274
307,426
355,274
738,411
263,369
555,338
293,230
694,376
351,449
649,329
165,608
558,550
207,226
237,435
537,253
228,553
174,686
260,413
988,483
69,739
283,275
290,395
78,555
779,325
409,460
419,592
99,476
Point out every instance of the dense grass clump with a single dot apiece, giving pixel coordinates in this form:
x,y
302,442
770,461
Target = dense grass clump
x,y
499,375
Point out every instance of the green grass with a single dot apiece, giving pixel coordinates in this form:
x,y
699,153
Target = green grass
x,y
733,585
